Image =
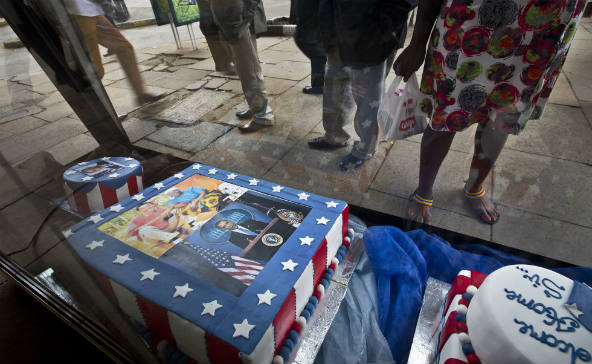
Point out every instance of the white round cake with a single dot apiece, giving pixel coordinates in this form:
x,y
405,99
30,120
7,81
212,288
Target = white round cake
x,y
528,314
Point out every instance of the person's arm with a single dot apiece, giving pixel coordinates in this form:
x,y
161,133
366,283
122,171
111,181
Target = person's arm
x,y
412,57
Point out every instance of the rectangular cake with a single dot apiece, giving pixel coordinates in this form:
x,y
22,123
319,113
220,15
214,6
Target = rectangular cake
x,y
223,267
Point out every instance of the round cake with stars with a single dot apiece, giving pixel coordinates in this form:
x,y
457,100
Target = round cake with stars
x,y
94,185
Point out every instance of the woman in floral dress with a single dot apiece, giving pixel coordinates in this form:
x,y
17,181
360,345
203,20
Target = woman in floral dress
x,y
489,62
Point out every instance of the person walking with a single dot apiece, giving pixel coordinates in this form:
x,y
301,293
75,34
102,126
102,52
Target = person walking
x,y
489,62
359,37
238,22
95,29
219,48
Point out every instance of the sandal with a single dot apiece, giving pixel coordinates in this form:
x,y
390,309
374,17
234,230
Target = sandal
x,y
424,202
481,197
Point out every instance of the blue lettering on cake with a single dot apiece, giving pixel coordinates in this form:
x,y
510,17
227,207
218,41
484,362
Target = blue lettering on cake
x,y
551,288
562,324
552,341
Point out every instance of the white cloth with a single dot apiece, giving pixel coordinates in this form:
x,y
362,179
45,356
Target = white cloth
x,y
83,7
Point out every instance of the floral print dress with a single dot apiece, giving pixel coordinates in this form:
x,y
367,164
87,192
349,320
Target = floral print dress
x,y
495,61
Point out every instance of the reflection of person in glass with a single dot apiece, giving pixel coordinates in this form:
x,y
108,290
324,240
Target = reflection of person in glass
x,y
95,29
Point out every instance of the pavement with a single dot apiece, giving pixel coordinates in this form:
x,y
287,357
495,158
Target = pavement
x,y
541,182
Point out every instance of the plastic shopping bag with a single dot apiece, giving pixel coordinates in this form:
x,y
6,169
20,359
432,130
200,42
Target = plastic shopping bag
x,y
399,116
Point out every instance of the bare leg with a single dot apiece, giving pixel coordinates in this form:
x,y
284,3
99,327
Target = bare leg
x,y
434,147
488,146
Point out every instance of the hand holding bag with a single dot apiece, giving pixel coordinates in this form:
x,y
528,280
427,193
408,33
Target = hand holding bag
x,y
399,116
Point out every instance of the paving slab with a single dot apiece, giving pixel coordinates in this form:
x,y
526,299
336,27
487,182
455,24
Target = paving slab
x,y
233,86
71,149
124,100
215,83
17,110
287,70
137,128
276,86
544,236
119,74
267,42
163,149
196,85
190,109
21,125
587,110
51,99
563,132
23,220
26,177
562,93
31,78
402,165
286,45
206,64
189,74
275,56
190,139
226,113
21,146
551,187
55,112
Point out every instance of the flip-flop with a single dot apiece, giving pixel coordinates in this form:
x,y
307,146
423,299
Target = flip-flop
x,y
422,201
481,197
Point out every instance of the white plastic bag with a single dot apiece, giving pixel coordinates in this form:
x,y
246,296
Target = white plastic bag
x,y
399,116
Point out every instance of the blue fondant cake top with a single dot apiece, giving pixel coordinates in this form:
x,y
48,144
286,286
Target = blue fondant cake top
x,y
111,172
208,244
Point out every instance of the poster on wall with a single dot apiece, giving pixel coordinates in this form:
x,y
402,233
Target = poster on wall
x,y
184,11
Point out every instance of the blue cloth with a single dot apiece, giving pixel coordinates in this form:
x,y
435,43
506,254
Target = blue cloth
x,y
402,263
188,195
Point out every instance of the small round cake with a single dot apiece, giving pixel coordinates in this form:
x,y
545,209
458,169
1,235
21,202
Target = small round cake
x,y
97,184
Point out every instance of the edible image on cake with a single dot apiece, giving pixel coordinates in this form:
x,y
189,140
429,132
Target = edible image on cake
x,y
222,232
98,168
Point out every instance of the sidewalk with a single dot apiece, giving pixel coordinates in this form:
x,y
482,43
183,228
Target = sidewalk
x,y
541,182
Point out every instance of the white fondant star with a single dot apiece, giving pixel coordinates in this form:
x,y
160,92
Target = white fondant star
x,y
82,163
210,308
182,290
374,104
213,171
116,208
105,158
128,159
367,123
299,156
322,221
196,166
87,178
149,274
158,186
324,160
95,218
253,182
289,265
133,165
67,233
231,176
120,259
242,329
573,308
95,244
69,173
303,196
331,204
366,70
113,175
265,297
138,197
179,175
277,188
307,240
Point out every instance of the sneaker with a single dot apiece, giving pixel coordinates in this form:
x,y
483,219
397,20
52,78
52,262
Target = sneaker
x,y
310,90
245,114
322,144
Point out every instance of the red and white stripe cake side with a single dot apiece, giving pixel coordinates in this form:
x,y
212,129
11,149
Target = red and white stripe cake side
x,y
101,197
206,348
